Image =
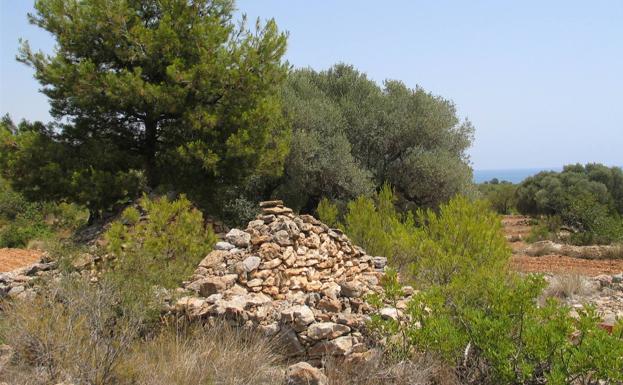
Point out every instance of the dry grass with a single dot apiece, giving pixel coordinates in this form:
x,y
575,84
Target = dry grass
x,y
567,286
72,332
613,252
540,249
515,238
76,332
217,354
422,370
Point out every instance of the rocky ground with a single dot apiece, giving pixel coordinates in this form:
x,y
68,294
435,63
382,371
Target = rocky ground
x,y
575,281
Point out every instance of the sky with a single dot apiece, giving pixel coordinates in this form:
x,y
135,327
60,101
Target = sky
x,y
541,81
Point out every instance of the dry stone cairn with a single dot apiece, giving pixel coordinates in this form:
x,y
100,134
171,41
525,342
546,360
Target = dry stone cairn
x,y
292,277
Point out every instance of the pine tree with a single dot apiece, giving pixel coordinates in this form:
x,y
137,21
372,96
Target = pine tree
x,y
175,88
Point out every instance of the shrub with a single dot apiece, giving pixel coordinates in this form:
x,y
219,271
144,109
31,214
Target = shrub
x,y
588,199
82,333
545,228
501,196
159,251
482,319
77,334
328,212
465,237
11,202
376,225
22,221
26,225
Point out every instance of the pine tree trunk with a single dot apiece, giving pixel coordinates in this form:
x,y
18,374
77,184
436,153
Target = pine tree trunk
x,y
149,154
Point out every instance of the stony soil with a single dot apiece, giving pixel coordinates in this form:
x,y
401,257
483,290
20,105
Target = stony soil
x,y
517,228
559,264
596,282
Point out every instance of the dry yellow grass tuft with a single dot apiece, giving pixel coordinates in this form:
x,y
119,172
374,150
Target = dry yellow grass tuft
x,y
215,354
567,286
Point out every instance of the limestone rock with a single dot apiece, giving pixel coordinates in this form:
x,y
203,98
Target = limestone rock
x,y
329,305
305,374
225,246
289,343
389,313
238,238
351,289
298,316
213,259
276,210
337,347
251,263
272,203
213,285
282,238
326,330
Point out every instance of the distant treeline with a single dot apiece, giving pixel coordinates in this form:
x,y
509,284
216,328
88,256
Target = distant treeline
x,y
586,199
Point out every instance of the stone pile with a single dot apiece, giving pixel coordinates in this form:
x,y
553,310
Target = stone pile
x,y
290,276
20,283
603,292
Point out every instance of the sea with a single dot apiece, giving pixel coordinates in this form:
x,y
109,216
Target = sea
x,y
514,175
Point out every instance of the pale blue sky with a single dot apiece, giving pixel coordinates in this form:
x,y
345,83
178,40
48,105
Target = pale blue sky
x,y
542,81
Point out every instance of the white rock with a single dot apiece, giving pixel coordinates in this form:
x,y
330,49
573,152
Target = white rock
x,y
389,312
305,374
299,316
238,238
326,330
251,263
337,347
223,246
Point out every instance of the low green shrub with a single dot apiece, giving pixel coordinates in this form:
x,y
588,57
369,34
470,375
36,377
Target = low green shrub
x,y
11,202
328,212
22,221
160,250
545,229
376,225
28,224
483,319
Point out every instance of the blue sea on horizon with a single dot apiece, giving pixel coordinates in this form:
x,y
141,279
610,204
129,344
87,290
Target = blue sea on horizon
x,y
515,175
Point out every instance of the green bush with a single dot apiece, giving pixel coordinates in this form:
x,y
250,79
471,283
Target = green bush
x,y
588,200
159,251
545,229
27,224
483,319
376,224
328,212
22,221
501,195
